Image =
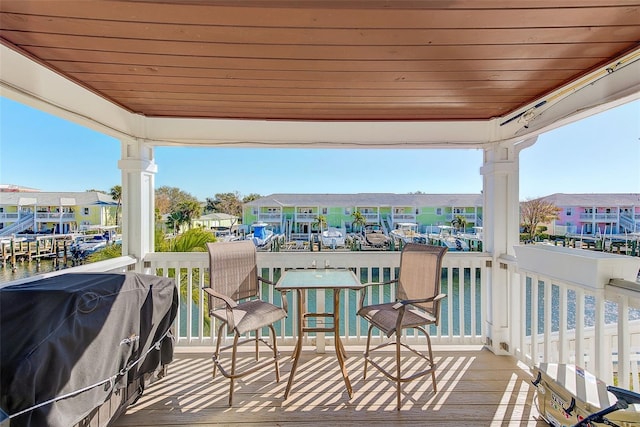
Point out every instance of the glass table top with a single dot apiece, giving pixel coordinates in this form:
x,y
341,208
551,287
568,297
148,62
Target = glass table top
x,y
318,279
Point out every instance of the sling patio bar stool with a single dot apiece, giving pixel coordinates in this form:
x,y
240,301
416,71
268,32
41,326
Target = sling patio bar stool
x,y
417,306
233,299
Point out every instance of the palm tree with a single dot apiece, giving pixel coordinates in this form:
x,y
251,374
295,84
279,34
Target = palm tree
x,y
175,220
190,210
116,194
359,220
459,223
194,240
320,222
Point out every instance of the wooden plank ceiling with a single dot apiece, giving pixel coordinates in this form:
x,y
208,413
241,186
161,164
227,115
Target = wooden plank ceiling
x,y
355,60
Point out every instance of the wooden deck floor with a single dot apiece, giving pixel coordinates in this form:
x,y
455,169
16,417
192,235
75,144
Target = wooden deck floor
x,y
475,387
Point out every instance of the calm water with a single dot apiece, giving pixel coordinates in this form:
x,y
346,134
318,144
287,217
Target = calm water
x,y
26,269
610,309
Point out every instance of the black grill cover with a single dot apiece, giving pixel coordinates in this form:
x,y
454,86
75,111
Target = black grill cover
x,y
64,334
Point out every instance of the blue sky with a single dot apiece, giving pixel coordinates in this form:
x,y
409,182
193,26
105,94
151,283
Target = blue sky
x,y
600,154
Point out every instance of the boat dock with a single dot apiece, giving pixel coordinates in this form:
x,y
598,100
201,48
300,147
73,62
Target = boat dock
x,y
14,250
622,244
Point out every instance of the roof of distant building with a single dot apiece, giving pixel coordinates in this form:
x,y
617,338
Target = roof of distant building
x,y
217,216
594,199
80,198
6,188
368,199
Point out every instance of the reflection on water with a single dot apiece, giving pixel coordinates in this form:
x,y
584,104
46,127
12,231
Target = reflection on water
x,y
26,269
589,316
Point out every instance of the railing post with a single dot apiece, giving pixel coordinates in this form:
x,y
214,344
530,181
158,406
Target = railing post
x,y
624,344
579,340
600,367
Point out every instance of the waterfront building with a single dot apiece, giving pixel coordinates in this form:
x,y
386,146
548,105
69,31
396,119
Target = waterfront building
x,y
55,212
216,221
297,214
596,213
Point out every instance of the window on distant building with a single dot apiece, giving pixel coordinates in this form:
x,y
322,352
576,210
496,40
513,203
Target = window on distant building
x,y
569,211
325,211
438,211
85,211
347,211
254,211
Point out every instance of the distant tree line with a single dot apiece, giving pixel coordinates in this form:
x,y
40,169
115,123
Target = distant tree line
x,y
181,207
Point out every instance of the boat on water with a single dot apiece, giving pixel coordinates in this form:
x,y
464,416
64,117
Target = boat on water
x,y
333,237
446,236
85,245
374,236
408,233
261,235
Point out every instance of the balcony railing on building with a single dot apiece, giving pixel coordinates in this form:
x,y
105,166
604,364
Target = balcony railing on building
x,y
371,218
306,217
403,217
469,217
598,217
55,216
270,217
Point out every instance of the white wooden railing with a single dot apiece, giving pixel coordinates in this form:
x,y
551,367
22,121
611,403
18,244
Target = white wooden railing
x,y
55,216
270,217
9,216
573,310
558,311
463,306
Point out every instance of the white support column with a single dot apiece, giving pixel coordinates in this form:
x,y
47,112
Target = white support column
x,y
501,222
138,199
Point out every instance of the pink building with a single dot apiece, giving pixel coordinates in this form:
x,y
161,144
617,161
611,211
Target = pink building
x,y
610,213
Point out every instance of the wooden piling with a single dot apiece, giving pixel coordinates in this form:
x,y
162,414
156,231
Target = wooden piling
x,y
14,267
38,252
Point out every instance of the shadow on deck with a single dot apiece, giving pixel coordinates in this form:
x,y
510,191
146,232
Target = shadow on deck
x,y
475,387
